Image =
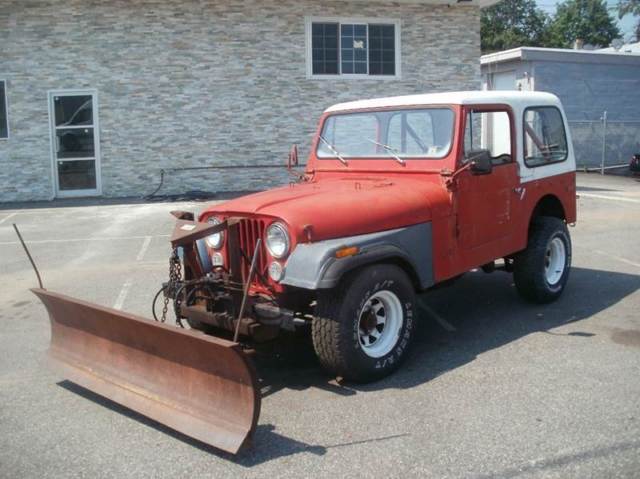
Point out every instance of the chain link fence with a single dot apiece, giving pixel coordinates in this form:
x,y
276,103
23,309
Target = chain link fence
x,y
604,144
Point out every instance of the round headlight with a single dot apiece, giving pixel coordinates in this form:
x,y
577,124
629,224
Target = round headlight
x,y
215,240
278,240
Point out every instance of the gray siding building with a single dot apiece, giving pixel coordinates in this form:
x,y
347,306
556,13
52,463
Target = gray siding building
x,y
600,92
99,96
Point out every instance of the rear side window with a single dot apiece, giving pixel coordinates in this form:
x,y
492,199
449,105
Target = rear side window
x,y
545,140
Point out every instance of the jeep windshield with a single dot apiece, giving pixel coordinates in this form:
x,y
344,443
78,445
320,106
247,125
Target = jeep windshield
x,y
406,133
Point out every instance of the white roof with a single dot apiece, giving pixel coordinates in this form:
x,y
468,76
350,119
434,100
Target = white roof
x,y
626,48
521,98
561,55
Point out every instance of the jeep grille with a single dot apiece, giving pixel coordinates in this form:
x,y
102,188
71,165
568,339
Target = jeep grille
x,y
249,231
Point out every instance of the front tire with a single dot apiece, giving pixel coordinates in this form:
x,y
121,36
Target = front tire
x,y
542,270
362,329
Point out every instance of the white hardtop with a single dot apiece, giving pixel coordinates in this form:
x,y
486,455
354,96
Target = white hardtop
x,y
517,99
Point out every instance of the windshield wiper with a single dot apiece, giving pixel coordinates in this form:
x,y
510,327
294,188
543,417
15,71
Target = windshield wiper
x,y
333,150
390,149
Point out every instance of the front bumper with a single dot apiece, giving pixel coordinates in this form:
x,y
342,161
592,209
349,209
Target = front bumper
x,y
215,301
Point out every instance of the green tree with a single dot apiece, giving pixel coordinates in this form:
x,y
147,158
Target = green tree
x,y
511,24
587,20
628,6
632,7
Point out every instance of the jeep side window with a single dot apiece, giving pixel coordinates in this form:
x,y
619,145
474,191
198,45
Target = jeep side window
x,y
545,140
489,131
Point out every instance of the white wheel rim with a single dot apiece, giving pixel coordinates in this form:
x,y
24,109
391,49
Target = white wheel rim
x,y
379,324
555,261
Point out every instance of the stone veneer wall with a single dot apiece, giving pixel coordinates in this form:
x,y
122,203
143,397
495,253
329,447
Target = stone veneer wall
x,y
192,83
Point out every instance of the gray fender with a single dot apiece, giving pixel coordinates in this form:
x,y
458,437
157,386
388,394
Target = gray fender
x,y
314,265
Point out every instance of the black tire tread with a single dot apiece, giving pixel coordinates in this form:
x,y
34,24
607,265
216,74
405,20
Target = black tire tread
x,y
326,333
529,283
331,344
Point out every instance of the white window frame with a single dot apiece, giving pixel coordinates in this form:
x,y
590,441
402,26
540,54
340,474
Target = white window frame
x,y
6,109
308,21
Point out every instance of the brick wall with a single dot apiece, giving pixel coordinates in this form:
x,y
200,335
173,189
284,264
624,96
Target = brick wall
x,y
192,83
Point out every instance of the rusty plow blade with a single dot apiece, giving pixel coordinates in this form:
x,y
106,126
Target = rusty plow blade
x,y
202,386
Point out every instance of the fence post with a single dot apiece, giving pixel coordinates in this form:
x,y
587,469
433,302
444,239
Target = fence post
x,y
604,141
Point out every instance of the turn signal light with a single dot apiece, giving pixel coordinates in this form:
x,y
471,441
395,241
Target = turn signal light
x,y
217,259
275,271
348,251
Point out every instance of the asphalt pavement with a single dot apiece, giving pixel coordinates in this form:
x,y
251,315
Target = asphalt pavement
x,y
494,387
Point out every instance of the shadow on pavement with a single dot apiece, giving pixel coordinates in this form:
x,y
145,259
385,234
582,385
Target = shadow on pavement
x,y
485,312
268,444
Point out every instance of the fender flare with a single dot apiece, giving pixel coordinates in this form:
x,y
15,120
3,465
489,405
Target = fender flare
x,y
314,265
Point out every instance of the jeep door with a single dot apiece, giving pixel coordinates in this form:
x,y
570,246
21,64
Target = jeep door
x,y
484,201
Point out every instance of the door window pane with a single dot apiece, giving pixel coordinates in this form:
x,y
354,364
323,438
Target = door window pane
x,y
545,140
4,120
490,131
77,175
74,143
73,110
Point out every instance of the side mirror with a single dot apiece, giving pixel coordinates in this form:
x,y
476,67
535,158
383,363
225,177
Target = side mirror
x,y
480,162
293,157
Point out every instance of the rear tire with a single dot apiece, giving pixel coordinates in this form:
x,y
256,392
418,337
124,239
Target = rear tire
x,y
362,330
542,270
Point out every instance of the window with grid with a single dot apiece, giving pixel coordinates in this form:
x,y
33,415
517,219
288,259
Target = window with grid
x,y
353,48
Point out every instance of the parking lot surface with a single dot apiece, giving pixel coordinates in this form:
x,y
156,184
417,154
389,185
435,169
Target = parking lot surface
x,y
494,387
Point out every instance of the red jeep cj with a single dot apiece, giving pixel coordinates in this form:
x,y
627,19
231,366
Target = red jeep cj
x,y
399,194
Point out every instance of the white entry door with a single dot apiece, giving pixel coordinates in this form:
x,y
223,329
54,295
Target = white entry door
x,y
75,142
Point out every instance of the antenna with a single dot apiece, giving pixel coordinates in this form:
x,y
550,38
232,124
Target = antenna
x,y
26,250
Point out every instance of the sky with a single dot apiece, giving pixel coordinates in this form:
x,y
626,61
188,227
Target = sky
x,y
626,25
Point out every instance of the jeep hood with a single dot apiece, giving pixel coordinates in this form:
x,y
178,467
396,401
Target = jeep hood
x,y
335,208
